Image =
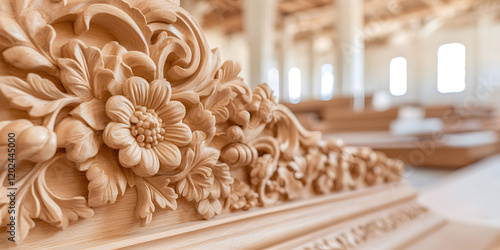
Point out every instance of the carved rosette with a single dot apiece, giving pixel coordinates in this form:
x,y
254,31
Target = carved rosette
x,y
132,95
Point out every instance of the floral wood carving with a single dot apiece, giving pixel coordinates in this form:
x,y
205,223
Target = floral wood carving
x,y
353,237
132,95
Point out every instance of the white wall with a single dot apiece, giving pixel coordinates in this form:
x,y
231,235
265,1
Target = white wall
x,y
482,62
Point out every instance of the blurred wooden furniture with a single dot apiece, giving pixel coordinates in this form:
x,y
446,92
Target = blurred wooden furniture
x,y
434,150
337,115
130,132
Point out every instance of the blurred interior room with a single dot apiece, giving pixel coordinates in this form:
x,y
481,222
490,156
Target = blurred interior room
x,y
250,124
416,79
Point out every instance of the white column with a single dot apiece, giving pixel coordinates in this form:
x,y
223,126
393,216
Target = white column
x,y
260,22
312,72
350,50
484,87
484,23
286,46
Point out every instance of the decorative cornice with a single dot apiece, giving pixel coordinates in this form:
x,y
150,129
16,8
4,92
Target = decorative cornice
x,y
132,95
355,236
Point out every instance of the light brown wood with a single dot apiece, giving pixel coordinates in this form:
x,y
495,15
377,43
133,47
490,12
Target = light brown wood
x,y
125,106
123,117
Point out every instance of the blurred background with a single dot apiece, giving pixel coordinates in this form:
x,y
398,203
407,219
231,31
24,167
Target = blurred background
x,y
416,79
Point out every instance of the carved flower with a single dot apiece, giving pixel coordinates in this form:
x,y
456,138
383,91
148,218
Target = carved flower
x,y
146,127
263,103
242,197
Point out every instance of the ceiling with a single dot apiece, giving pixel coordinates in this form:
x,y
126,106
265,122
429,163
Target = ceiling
x,y
320,15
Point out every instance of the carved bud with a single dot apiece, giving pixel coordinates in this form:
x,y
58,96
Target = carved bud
x,y
35,143
235,133
242,117
238,155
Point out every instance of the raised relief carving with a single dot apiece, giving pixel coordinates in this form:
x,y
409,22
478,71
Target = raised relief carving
x,y
355,236
132,95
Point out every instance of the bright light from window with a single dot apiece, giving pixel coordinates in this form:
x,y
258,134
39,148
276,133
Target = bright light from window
x,y
398,79
273,79
327,81
294,85
451,68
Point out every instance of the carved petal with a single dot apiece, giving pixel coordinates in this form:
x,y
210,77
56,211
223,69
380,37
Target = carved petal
x,y
117,135
136,89
149,164
179,134
172,113
131,155
119,109
169,155
159,94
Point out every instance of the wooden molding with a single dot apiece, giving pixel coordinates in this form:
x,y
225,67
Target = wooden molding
x,y
114,105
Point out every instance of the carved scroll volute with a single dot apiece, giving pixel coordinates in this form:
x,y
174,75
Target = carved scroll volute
x,y
132,95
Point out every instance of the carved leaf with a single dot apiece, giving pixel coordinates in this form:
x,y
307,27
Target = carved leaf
x,y
35,201
217,103
106,178
151,191
222,181
133,32
293,186
195,186
208,208
37,95
79,68
93,112
11,33
230,71
80,141
42,34
74,78
27,58
202,120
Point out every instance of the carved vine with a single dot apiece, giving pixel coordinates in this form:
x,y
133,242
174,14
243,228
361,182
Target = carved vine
x,y
356,236
152,107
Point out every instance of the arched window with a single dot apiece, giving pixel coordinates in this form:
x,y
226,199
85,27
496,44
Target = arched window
x,y
327,82
398,79
451,68
294,85
273,79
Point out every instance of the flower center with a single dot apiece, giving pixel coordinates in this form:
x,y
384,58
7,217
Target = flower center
x,y
146,127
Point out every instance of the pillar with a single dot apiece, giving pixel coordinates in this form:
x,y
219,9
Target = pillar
x,y
259,24
286,46
350,50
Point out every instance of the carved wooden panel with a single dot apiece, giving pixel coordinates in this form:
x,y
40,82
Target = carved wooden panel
x,y
120,96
